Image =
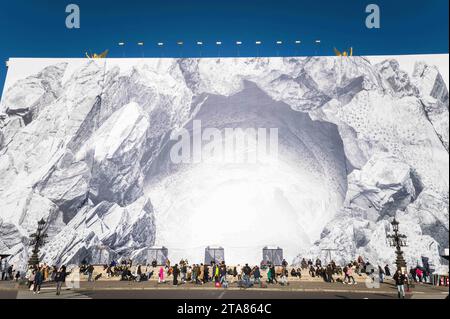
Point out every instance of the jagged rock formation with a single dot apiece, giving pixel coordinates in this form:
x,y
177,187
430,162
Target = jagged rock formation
x,y
87,148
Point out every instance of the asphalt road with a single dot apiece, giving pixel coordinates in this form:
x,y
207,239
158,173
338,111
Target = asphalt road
x,y
8,294
192,294
231,294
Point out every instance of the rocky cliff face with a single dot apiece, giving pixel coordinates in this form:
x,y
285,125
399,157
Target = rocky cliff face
x,y
87,149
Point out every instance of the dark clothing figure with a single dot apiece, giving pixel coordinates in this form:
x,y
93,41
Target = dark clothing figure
x,y
304,264
38,278
60,278
175,273
318,262
329,274
90,271
274,274
206,273
400,279
387,271
257,275
312,271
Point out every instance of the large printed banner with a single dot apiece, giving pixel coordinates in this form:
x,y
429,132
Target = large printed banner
x,y
310,154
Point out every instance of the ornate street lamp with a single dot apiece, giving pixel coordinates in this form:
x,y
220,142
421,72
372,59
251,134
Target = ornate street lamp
x,y
37,240
398,241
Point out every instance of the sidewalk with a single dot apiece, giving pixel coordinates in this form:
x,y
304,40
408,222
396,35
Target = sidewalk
x,y
153,290
305,286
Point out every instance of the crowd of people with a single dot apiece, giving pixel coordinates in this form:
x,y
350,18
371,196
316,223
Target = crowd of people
x,y
7,271
198,274
355,267
244,276
220,274
36,275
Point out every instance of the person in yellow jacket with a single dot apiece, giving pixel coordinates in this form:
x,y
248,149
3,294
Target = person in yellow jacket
x,y
45,272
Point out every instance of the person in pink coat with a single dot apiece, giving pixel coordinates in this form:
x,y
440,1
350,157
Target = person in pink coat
x,y
161,275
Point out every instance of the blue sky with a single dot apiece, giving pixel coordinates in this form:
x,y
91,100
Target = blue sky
x,y
32,28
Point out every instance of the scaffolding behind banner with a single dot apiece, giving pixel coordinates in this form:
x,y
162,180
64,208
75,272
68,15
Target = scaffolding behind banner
x,y
272,255
214,254
159,254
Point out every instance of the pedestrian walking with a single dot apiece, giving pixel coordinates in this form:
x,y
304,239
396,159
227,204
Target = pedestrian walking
x,y
206,274
175,274
60,278
348,274
4,268
256,275
387,271
28,276
161,275
90,272
223,275
38,279
380,274
10,272
183,270
400,279
201,275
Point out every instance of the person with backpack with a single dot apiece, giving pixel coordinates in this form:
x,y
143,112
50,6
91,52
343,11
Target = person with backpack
x,y
400,279
60,278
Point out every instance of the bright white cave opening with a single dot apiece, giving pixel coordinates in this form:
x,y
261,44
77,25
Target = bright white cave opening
x,y
284,200
241,207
